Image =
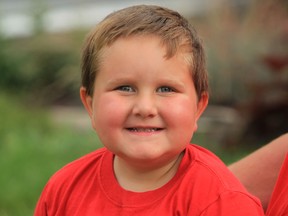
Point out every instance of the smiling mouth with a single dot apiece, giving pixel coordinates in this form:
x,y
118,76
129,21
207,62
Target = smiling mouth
x,y
144,130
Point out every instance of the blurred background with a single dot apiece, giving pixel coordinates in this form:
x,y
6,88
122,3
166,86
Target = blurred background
x,y
43,125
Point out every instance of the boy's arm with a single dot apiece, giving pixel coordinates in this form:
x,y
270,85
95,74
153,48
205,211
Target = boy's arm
x,y
258,171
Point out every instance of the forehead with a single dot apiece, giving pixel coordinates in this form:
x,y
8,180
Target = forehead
x,y
133,50
143,47
140,56
141,41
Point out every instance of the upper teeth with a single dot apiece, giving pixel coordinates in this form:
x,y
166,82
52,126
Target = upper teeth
x,y
143,129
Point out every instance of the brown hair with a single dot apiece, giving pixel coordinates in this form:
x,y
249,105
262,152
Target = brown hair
x,y
175,33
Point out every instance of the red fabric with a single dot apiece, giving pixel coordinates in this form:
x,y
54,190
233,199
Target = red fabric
x,y
202,186
278,205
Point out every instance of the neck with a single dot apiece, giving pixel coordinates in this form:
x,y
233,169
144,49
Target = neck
x,y
140,179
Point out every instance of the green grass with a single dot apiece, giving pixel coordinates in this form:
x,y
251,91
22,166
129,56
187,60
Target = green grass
x,y
32,149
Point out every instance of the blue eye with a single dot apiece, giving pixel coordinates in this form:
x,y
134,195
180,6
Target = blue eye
x,y
165,89
125,88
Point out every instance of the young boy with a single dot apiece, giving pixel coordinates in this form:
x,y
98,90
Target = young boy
x,y
144,85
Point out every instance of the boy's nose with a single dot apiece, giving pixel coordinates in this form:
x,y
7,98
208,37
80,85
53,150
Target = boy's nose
x,y
145,106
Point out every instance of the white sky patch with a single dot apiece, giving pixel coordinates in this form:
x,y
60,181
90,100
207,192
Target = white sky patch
x,y
16,24
70,16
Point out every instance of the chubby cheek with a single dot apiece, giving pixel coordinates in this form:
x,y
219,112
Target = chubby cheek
x,y
109,113
181,116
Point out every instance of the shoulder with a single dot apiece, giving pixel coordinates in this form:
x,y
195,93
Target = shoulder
x,y
234,203
213,184
76,171
69,183
79,165
212,166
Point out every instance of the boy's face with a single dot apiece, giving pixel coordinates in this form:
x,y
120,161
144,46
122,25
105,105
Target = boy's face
x,y
144,107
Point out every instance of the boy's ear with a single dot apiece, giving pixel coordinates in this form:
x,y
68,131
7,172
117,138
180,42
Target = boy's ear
x,y
202,104
86,100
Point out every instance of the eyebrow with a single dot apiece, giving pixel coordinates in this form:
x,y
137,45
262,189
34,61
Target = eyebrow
x,y
114,81
172,82
119,81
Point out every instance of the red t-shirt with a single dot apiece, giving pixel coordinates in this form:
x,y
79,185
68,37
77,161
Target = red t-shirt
x,y
202,186
278,205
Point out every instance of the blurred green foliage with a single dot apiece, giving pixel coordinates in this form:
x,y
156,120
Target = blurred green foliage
x,y
31,149
44,68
